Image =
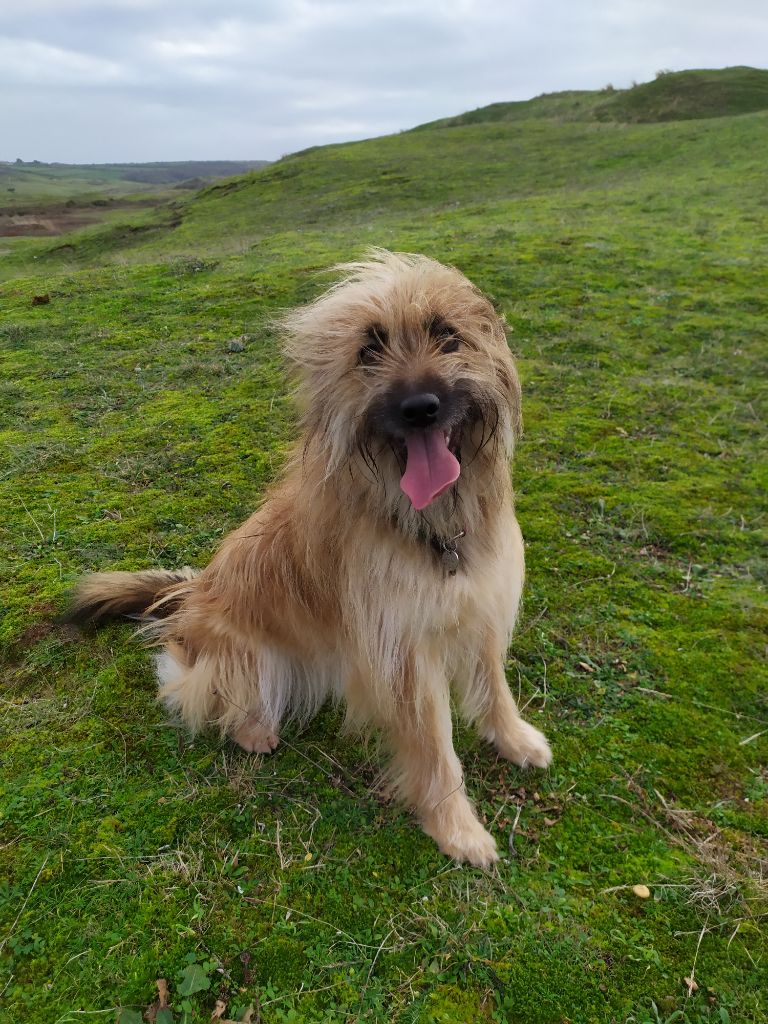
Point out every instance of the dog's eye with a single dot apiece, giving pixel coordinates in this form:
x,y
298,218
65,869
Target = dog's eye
x,y
444,334
371,352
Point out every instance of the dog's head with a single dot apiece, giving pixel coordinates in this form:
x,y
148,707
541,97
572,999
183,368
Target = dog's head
x,y
406,377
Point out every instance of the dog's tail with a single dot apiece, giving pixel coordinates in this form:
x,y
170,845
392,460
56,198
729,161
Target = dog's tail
x,y
152,594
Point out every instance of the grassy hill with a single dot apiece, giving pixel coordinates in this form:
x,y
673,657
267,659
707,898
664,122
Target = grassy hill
x,y
685,95
569,105
673,96
629,261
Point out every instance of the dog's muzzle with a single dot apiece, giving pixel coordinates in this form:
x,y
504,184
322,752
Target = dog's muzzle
x,y
422,420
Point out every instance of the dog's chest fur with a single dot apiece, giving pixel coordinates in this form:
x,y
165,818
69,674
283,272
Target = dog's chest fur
x,y
399,597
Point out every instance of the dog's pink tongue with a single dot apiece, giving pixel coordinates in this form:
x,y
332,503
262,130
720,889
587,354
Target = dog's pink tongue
x,y
430,468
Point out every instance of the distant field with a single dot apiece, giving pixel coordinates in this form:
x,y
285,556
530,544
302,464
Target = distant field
x,y
20,182
49,199
629,260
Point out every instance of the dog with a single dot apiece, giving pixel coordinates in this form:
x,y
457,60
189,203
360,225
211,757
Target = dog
x,y
386,565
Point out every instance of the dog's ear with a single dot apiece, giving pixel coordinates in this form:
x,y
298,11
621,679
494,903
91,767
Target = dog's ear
x,y
504,361
509,382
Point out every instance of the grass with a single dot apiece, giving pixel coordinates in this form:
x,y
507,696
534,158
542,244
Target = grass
x,y
629,262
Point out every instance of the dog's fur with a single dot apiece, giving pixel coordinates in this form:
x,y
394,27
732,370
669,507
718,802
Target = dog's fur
x,y
336,584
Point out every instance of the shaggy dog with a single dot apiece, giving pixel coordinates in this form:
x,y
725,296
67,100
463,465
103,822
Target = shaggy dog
x,y
386,566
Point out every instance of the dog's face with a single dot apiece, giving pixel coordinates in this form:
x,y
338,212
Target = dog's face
x,y
406,377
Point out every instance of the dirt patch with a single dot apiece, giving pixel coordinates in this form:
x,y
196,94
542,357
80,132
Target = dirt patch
x,y
46,221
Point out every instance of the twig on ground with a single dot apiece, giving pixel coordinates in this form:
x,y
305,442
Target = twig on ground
x,y
511,844
690,981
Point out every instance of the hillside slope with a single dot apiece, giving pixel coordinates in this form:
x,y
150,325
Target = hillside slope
x,y
568,105
629,262
686,95
672,96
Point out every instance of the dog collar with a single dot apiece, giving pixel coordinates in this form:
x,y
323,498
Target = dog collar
x,y
448,551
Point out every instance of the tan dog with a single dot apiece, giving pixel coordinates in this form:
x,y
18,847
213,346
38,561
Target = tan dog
x,y
387,564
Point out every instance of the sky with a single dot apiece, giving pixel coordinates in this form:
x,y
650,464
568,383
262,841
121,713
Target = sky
x,y
135,80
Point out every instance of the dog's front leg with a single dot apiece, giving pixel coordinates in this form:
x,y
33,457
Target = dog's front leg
x,y
427,774
487,700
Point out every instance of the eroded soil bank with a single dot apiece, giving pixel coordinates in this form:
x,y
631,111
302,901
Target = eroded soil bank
x,y
51,219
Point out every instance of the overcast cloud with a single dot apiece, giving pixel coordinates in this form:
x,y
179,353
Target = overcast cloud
x,y
118,80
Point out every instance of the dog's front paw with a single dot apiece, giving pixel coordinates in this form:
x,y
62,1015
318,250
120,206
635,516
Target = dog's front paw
x,y
456,830
525,746
474,846
255,737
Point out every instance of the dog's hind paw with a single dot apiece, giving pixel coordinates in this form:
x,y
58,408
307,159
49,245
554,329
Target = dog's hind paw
x,y
255,737
525,746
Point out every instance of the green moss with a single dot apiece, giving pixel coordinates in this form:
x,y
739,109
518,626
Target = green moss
x,y
449,1004
280,962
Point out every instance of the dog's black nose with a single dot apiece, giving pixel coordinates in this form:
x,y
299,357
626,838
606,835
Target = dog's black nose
x,y
420,410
